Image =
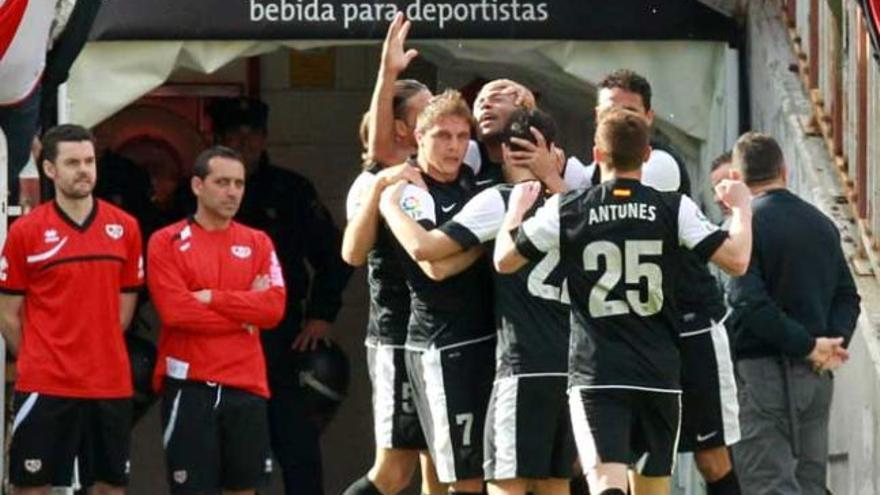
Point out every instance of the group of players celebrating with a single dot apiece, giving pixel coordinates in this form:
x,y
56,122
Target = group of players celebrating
x,y
597,338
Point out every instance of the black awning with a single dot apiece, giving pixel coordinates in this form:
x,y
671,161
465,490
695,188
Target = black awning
x,y
433,19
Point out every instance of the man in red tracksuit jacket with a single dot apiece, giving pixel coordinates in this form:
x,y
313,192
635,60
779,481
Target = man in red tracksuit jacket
x,y
215,283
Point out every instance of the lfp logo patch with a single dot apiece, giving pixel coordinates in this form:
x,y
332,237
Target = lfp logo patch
x,y
411,207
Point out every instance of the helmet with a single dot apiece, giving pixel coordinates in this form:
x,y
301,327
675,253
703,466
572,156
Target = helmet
x,y
323,375
142,355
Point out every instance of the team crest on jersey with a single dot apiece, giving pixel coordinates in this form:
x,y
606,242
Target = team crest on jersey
x,y
50,236
33,465
114,230
242,252
179,476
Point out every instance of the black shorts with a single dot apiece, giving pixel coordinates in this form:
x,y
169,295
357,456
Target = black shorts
x,y
528,429
451,387
627,426
395,420
49,432
709,407
216,438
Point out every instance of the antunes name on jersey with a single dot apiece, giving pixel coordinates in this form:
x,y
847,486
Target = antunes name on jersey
x,y
613,213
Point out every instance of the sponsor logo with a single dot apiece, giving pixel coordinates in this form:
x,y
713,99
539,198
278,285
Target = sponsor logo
x,y
411,205
703,438
33,465
36,258
180,476
114,230
186,233
50,236
184,246
242,252
447,209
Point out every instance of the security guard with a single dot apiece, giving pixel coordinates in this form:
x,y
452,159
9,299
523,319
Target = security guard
x,y
285,205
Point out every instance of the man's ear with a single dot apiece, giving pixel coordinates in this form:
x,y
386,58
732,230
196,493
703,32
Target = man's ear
x,y
735,174
649,116
647,154
783,172
196,185
597,154
48,169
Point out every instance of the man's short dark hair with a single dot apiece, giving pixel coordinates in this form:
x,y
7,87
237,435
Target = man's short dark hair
x,y
759,158
623,137
203,162
64,133
628,80
723,158
520,122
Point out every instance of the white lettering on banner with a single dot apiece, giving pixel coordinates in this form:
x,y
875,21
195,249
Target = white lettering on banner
x,y
440,14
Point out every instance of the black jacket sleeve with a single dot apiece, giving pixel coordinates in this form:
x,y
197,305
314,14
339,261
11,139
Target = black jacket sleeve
x,y
330,272
845,305
760,320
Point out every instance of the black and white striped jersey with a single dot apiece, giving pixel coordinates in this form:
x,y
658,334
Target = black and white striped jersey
x,y
458,309
389,295
531,310
618,249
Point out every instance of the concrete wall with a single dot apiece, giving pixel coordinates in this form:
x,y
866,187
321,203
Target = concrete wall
x,y
780,107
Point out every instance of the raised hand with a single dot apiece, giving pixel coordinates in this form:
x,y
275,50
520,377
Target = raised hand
x,y
522,197
395,58
733,193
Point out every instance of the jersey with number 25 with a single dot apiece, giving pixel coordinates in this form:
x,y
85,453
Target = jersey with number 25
x,y
617,244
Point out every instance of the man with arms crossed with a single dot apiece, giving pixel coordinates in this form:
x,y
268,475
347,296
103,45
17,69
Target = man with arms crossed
x,y
617,244
69,278
215,284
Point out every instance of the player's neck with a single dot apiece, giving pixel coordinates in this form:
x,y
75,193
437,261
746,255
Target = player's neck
x,y
210,221
493,149
766,187
76,209
608,173
438,175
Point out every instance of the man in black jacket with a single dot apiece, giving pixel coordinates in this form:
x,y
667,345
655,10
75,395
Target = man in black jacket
x,y
796,310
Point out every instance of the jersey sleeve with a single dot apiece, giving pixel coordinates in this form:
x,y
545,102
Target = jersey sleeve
x,y
418,204
478,221
696,232
132,276
472,157
13,263
540,233
354,200
577,175
662,172
262,308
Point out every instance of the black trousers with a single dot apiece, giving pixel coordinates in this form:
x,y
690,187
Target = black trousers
x,y
295,439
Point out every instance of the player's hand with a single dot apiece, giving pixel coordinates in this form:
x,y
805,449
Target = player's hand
x,y
522,197
203,296
537,157
733,193
313,332
261,283
395,58
397,173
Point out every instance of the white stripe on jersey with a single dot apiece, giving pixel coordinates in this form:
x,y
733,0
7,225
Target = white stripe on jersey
x,y
543,228
693,226
483,214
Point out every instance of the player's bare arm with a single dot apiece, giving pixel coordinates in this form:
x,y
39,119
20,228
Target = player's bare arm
x,y
507,258
10,319
734,254
420,244
395,59
451,265
127,305
360,232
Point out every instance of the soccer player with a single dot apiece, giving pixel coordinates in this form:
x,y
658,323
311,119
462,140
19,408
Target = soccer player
x,y
450,339
215,284
398,434
69,278
525,449
710,421
618,249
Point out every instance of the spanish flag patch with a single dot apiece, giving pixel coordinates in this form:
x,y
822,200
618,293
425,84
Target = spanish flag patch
x,y
621,193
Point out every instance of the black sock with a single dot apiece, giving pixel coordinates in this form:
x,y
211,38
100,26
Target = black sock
x,y
613,491
362,486
727,485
